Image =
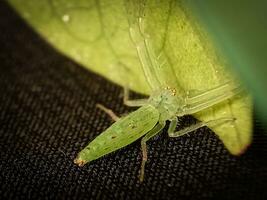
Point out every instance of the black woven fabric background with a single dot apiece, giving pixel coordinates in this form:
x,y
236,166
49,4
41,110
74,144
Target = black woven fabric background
x,y
48,114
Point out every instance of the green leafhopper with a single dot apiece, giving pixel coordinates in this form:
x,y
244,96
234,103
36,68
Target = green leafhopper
x,y
164,104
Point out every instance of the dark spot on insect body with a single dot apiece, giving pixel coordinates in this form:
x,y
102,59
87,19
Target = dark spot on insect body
x,y
133,126
112,137
131,137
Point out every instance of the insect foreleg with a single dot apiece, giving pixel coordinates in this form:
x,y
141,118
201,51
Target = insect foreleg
x,y
198,125
194,104
172,126
149,135
132,103
108,111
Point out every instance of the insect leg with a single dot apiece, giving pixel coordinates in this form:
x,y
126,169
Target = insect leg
x,y
149,135
108,111
172,126
132,103
140,41
198,125
209,98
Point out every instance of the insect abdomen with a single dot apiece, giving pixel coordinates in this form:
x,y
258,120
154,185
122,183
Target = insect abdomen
x,y
123,132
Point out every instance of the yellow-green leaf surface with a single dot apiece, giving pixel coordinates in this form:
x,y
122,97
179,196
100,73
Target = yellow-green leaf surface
x,y
96,34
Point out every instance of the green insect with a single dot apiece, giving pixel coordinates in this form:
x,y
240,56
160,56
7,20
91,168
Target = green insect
x,y
164,104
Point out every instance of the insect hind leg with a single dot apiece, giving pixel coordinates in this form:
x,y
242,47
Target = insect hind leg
x,y
198,125
157,129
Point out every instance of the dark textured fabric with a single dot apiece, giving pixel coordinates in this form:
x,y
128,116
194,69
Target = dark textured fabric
x,y
48,114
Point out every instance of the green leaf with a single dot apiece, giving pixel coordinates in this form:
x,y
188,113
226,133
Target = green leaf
x,y
96,34
238,28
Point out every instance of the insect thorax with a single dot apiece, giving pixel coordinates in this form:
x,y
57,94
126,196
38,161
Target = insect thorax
x,y
167,103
